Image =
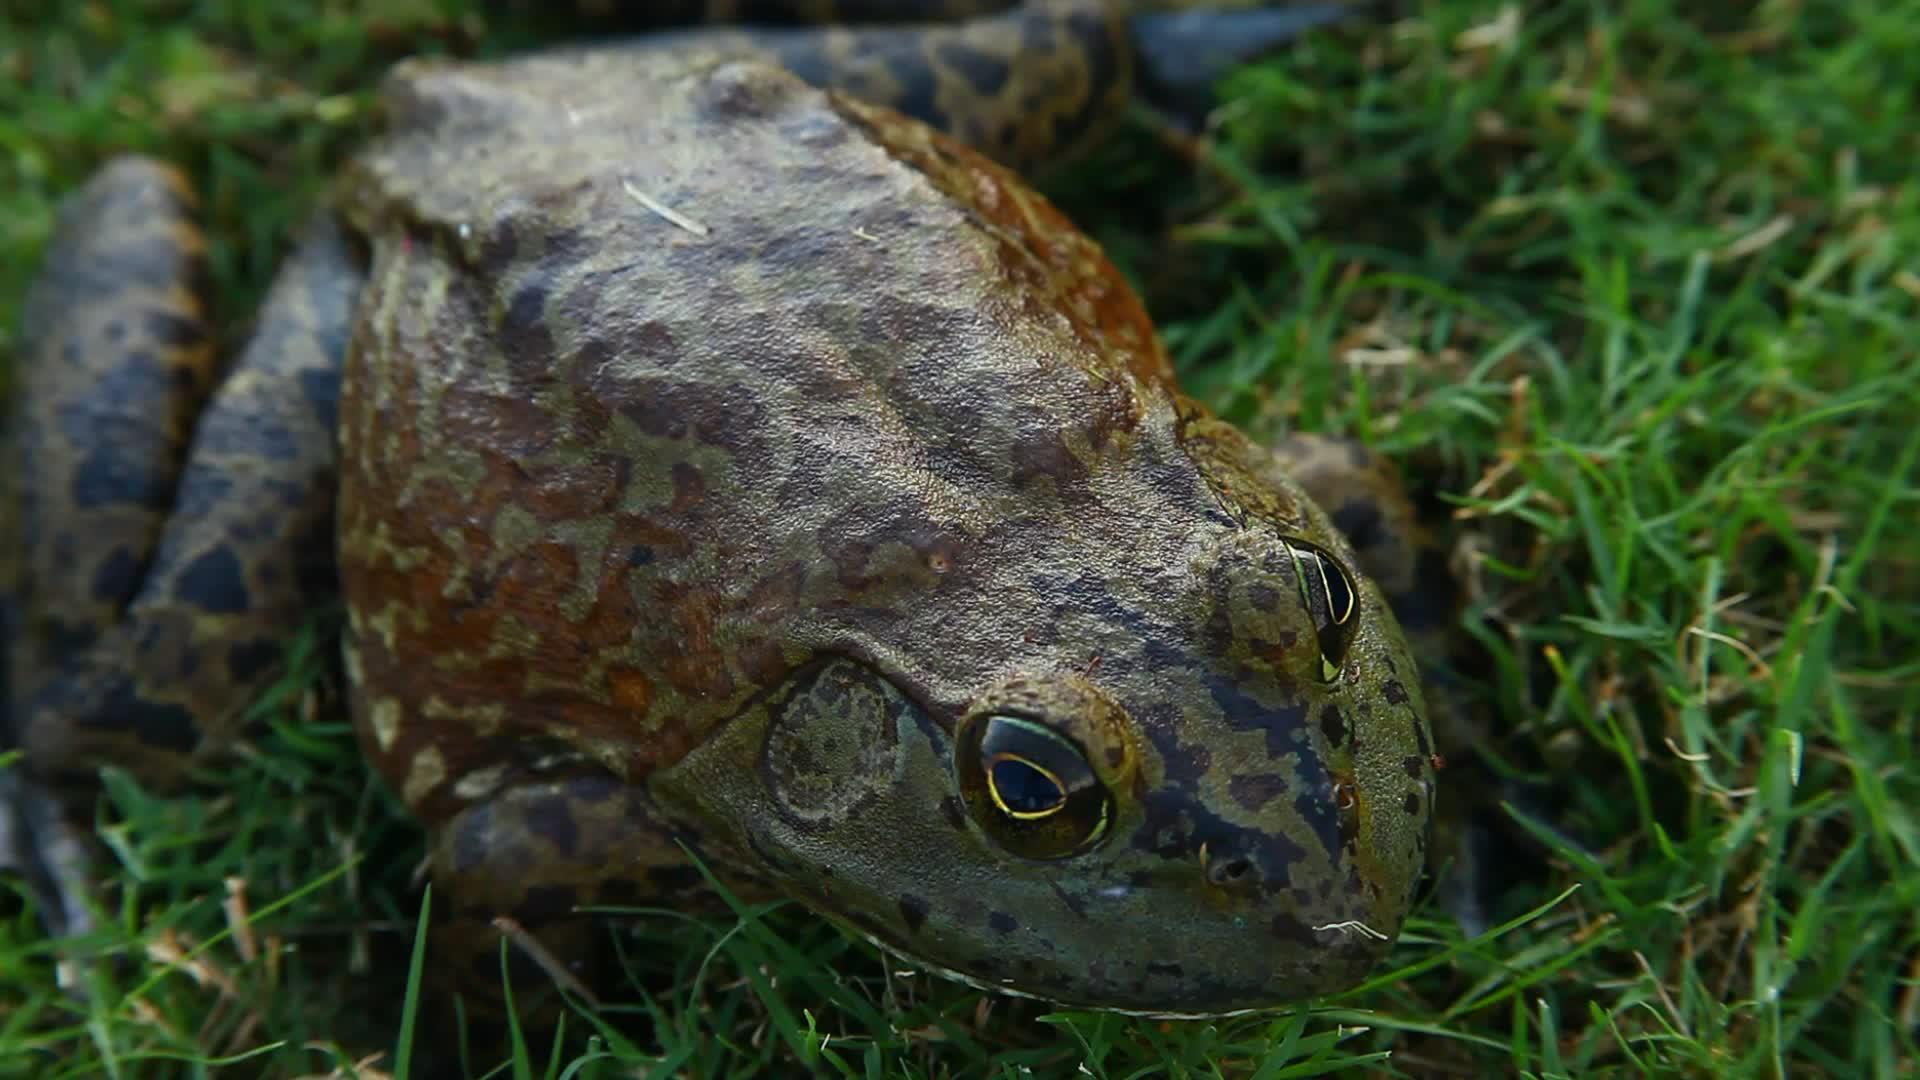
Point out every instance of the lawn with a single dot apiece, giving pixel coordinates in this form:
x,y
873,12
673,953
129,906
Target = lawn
x,y
1630,290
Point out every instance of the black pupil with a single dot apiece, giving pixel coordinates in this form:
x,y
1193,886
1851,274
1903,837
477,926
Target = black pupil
x,y
1023,788
1339,597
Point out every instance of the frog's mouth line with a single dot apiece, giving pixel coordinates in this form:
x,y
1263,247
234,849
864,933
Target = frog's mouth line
x,y
920,963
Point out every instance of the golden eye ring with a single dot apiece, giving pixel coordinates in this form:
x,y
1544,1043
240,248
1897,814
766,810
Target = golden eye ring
x,y
1030,787
1005,806
1331,599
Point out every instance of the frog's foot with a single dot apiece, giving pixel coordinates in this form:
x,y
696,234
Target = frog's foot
x,y
1184,51
526,863
41,845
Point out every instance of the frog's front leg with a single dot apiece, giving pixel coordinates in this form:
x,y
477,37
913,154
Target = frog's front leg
x,y
206,604
537,851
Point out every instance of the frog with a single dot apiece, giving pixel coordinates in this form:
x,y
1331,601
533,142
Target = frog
x,y
763,488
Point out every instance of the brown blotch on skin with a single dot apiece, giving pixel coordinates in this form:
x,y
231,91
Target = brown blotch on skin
x,y
689,487
1394,692
741,90
1411,804
1263,597
630,689
544,903
699,665
1045,454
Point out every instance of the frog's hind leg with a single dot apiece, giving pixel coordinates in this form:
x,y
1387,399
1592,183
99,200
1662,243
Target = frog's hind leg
x,y
1026,87
1184,47
1028,84
244,557
114,362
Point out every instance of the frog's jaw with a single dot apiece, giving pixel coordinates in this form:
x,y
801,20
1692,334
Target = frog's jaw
x,y
921,963
880,842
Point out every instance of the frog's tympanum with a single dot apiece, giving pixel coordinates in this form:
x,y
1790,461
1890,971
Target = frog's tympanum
x,y
714,460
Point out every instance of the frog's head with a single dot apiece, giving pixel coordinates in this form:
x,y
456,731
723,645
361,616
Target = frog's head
x,y
1062,687
1227,811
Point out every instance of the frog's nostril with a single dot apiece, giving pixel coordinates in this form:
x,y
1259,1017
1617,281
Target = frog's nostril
x,y
1231,872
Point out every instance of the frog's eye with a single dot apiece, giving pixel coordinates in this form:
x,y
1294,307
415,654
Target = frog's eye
x,y
1328,594
1030,787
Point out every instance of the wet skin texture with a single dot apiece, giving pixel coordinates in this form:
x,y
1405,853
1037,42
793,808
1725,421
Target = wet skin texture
x,y
759,471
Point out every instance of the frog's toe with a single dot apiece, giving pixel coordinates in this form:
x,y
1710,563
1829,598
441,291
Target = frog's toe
x,y
1182,55
48,853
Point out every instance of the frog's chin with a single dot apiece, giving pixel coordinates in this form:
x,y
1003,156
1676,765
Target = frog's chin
x,y
921,963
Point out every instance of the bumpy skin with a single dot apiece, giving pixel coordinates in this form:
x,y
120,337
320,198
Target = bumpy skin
x,y
709,470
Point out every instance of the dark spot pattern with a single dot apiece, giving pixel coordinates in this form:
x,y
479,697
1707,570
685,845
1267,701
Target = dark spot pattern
x,y
118,576
913,911
954,811
157,724
986,72
214,582
1333,726
173,330
1253,791
1288,928
551,819
248,660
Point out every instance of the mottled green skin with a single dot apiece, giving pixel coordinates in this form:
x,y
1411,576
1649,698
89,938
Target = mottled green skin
x,y
702,468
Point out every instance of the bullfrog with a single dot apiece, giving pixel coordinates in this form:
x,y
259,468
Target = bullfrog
x,y
728,464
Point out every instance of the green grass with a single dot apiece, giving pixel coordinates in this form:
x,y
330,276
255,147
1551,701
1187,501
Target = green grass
x,y
1632,289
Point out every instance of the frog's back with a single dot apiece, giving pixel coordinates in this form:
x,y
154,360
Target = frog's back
x,y
684,345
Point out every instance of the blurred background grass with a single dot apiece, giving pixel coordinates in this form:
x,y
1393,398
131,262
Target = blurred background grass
x,y
1632,289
